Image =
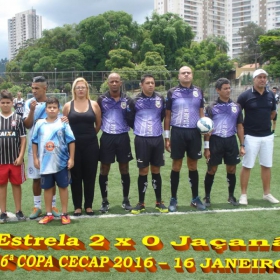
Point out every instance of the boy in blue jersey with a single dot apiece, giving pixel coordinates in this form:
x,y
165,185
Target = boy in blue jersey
x,y
53,154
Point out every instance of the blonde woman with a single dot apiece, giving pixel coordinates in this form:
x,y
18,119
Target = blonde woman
x,y
85,120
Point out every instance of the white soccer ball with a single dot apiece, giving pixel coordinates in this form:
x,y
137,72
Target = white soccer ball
x,y
205,125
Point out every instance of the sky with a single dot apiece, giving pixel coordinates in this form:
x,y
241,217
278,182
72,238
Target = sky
x,y
59,12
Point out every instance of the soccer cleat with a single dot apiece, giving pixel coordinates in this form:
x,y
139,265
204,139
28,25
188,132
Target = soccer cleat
x,y
46,219
20,216
232,200
65,219
243,199
3,217
173,205
207,201
269,197
55,212
35,213
161,207
196,203
104,206
140,207
126,205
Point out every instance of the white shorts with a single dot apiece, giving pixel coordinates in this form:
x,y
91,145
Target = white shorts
x,y
32,171
258,146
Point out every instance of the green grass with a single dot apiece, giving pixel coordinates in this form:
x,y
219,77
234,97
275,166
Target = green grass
x,y
243,223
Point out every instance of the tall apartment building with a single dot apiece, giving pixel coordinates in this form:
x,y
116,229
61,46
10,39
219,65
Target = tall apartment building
x,y
23,26
223,17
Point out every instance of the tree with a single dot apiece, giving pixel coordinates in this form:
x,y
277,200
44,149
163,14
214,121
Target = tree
x,y
269,44
220,42
119,58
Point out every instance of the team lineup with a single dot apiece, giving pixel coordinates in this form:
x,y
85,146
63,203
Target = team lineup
x,y
64,149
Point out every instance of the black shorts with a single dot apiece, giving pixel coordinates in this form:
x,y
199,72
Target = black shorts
x,y
115,146
149,150
185,140
275,118
223,148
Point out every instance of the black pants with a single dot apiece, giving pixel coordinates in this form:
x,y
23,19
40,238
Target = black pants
x,y
84,172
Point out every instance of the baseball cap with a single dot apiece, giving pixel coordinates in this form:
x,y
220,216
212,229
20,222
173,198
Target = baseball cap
x,y
258,72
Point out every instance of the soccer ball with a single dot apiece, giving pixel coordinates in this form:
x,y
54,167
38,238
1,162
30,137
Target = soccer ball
x,y
205,125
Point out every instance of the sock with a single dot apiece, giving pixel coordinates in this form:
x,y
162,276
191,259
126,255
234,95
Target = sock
x,y
174,181
125,184
193,179
54,201
103,183
208,182
142,187
156,182
49,213
231,179
37,201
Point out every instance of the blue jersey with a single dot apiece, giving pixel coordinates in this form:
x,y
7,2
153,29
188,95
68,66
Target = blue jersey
x,y
184,104
145,114
52,139
226,116
113,113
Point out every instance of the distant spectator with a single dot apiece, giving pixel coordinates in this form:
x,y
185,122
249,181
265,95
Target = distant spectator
x,y
18,103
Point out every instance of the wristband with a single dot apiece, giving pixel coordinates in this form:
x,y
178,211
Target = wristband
x,y
166,133
242,145
206,144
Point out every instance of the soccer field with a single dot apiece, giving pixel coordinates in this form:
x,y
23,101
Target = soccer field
x,y
215,244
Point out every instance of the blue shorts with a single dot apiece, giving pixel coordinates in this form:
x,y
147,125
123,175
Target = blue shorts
x,y
61,178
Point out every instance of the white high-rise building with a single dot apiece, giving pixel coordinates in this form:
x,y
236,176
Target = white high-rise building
x,y
223,17
23,26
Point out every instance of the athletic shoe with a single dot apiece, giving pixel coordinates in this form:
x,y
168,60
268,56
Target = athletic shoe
x,y
35,213
269,197
161,207
126,205
3,217
243,199
207,201
55,212
65,219
20,216
104,206
140,207
232,200
196,203
46,219
172,205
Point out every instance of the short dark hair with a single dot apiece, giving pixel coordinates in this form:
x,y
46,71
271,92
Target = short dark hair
x,y
4,94
275,88
220,82
146,76
52,100
39,79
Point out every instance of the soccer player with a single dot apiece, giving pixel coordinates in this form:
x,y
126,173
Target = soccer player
x,y
274,90
145,114
184,107
53,154
114,141
34,109
12,147
228,119
18,103
259,105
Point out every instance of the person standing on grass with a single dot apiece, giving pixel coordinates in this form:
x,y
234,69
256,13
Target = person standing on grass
x,y
259,106
145,114
85,120
12,149
184,107
228,119
53,154
276,95
115,141
34,109
18,103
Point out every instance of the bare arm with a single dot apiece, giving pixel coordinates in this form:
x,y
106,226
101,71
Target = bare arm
x,y
272,115
71,147
201,112
29,120
240,134
20,158
66,109
35,155
97,112
167,120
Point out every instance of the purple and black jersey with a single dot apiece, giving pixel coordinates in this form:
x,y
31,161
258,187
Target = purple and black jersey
x,y
145,114
113,113
226,116
184,104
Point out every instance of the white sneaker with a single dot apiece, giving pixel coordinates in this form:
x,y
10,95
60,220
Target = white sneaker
x,y
243,199
269,197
